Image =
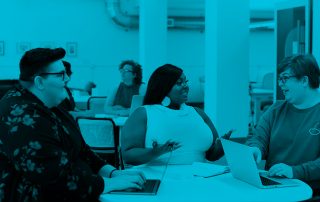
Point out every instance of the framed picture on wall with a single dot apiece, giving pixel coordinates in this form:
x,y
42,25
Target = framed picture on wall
x,y
22,47
1,48
47,44
72,49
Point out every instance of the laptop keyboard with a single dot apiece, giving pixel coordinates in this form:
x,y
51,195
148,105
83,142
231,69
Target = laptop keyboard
x,y
267,182
147,188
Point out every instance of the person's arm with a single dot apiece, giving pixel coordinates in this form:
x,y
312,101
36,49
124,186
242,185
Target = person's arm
x,y
34,146
215,151
307,171
133,140
261,134
95,162
108,106
143,89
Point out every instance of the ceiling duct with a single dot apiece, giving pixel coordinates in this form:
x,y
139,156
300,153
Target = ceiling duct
x,y
130,21
177,18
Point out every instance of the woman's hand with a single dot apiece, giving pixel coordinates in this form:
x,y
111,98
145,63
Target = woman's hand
x,y
166,147
226,136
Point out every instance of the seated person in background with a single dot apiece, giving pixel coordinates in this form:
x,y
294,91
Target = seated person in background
x,y
288,134
68,103
42,153
165,123
89,86
119,101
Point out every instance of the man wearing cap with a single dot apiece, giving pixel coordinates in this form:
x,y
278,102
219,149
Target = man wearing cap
x,y
42,153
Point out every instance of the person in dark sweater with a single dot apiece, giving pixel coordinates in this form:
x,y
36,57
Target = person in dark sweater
x,y
68,104
288,134
119,102
42,153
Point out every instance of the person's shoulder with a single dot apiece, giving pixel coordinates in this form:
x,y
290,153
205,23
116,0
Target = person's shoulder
x,y
275,109
11,98
139,114
201,112
278,105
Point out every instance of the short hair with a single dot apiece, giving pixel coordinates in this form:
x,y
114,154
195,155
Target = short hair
x,y
136,69
302,65
36,60
161,82
67,66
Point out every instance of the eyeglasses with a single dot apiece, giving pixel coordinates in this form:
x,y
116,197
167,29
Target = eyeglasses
x,y
284,79
61,74
125,70
182,82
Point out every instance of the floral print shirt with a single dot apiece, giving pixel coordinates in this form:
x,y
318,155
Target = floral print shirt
x,y
43,156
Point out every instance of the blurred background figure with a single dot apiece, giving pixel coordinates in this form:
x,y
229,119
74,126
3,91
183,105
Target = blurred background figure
x,y
119,102
68,104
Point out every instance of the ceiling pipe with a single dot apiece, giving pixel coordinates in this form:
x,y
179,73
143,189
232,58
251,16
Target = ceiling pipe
x,y
177,22
126,21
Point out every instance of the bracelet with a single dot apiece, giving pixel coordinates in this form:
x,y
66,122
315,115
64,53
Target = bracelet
x,y
110,175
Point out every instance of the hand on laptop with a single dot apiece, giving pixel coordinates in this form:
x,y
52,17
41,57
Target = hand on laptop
x,y
123,182
281,170
256,154
128,172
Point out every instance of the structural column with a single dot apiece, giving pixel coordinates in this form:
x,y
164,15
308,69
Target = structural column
x,y
227,64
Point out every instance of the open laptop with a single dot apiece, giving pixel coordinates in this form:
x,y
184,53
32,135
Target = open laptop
x,y
150,188
243,167
137,101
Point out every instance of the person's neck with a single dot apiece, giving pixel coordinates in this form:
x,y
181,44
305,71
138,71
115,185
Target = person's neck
x,y
174,106
41,97
128,83
311,99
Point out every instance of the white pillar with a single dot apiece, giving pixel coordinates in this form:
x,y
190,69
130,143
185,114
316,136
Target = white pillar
x,y
316,30
152,35
227,65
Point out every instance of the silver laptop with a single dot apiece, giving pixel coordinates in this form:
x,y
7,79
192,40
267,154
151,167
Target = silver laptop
x,y
137,101
243,167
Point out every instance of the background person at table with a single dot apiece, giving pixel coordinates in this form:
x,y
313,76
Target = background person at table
x,y
43,155
68,103
166,123
119,101
288,134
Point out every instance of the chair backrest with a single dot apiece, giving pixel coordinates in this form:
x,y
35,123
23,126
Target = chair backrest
x,y
267,82
102,135
98,133
96,104
137,101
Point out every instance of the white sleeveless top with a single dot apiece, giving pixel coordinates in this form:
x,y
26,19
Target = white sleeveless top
x,y
185,126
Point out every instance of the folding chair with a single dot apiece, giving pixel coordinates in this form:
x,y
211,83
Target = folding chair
x,y
96,104
102,136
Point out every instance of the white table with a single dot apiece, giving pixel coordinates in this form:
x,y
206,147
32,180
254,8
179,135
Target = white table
x,y
118,120
180,185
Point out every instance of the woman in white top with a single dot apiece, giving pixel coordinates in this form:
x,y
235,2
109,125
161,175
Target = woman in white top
x,y
119,101
165,123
